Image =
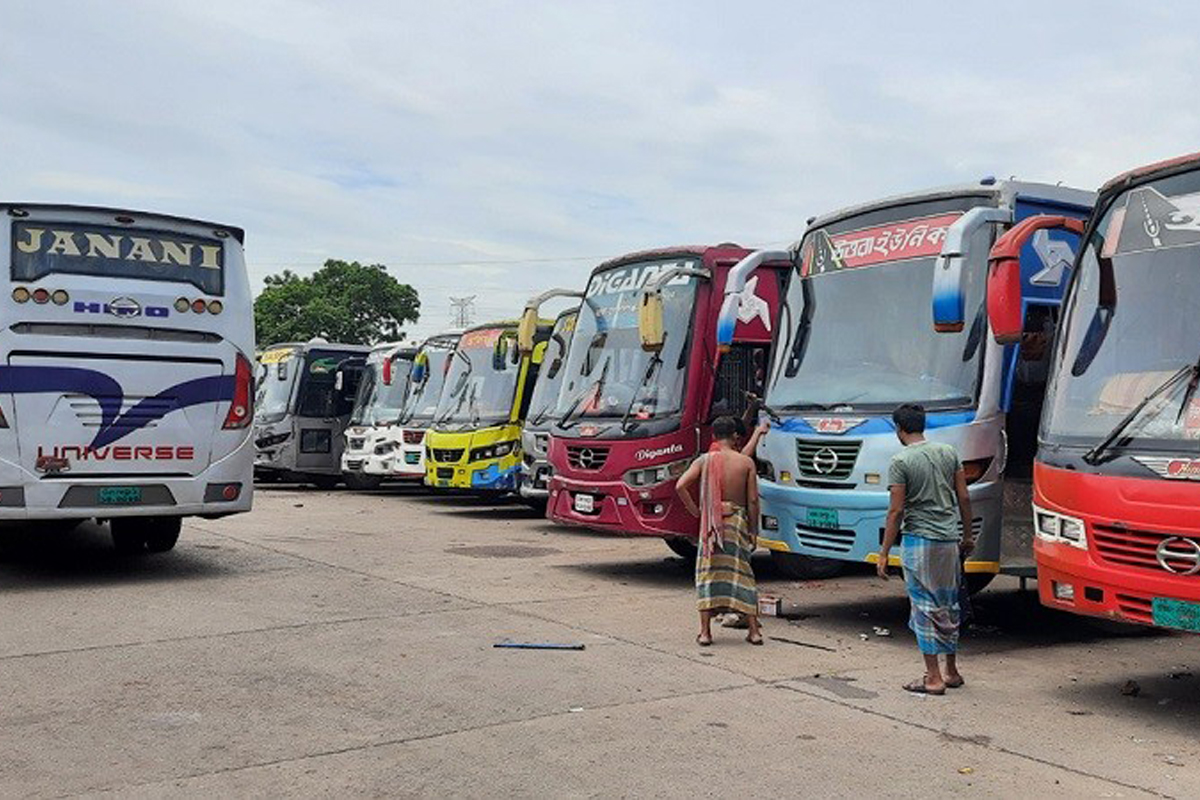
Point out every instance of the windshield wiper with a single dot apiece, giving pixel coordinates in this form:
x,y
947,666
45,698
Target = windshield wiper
x,y
651,369
1094,456
473,406
595,388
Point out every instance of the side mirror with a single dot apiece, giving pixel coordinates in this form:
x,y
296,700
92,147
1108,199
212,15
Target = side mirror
x,y
1006,311
420,369
339,380
387,372
539,352
554,367
949,298
526,331
650,321
281,371
500,355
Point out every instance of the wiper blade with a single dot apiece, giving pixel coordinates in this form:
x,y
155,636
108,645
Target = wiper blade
x,y
651,369
1095,455
596,388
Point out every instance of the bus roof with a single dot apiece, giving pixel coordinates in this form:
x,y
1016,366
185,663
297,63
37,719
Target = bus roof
x,y
233,230
666,252
313,344
1150,171
1000,190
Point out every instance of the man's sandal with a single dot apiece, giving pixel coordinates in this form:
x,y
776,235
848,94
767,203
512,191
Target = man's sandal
x,y
919,687
958,684
700,640
750,638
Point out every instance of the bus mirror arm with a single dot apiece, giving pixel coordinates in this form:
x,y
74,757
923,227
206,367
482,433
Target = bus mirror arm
x,y
1005,309
735,286
949,298
650,309
527,328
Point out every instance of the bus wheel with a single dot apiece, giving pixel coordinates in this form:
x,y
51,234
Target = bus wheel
x,y
128,536
799,567
326,482
978,581
682,546
361,483
162,533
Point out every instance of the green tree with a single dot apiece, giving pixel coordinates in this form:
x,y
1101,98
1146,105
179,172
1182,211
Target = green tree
x,y
343,302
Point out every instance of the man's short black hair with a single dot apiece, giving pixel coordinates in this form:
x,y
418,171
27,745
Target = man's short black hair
x,y
724,428
910,418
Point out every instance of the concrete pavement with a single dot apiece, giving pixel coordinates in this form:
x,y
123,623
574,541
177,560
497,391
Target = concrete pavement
x,y
341,643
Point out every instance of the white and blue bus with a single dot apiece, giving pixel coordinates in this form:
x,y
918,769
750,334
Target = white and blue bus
x,y
126,389
886,305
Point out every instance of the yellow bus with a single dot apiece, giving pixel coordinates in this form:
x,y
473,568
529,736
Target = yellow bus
x,y
475,442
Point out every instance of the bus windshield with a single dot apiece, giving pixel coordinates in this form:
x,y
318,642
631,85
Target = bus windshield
x,y
1131,331
861,327
378,403
482,379
607,373
422,401
277,376
550,379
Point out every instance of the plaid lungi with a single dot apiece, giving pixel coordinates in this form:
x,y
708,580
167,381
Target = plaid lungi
x,y
931,576
724,580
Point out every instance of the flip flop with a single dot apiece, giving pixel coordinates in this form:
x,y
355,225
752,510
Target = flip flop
x,y
919,687
753,641
956,684
700,640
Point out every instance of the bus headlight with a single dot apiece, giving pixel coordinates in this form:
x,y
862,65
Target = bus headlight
x,y
652,476
1051,526
498,450
385,448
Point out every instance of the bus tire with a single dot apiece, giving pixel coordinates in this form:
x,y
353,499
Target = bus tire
x,y
162,533
797,567
683,547
362,483
976,582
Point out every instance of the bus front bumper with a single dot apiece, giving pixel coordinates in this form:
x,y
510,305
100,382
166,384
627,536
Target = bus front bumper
x,y
617,507
492,475
847,525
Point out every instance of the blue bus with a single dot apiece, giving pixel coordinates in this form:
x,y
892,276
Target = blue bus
x,y
885,305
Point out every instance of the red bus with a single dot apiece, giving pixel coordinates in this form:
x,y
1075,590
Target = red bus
x,y
634,409
1117,473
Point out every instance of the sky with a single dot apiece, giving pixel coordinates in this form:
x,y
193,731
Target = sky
x,y
498,149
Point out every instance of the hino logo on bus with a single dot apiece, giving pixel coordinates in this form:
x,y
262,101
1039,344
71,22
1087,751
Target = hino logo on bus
x,y
647,453
825,461
1179,556
122,307
1176,469
834,424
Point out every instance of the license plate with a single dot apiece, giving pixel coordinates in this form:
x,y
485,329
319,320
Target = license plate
x,y
826,518
412,458
119,495
1178,614
585,503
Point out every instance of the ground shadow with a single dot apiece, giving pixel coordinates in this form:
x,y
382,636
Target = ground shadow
x,y
34,558
495,512
1168,700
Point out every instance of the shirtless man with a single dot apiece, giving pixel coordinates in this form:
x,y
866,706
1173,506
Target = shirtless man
x,y
728,512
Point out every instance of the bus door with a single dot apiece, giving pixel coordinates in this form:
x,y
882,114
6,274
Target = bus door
x,y
323,407
742,371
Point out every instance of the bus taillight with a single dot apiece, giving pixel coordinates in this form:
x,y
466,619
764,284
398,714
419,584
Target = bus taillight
x,y
239,410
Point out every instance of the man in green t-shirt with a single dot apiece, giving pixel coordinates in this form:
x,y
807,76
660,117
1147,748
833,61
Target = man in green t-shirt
x,y
926,483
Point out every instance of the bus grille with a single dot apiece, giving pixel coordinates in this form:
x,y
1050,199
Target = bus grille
x,y
825,459
1133,548
587,457
449,456
828,539
1137,609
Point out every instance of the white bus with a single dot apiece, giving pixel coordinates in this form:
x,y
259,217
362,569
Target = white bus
x,y
126,389
370,439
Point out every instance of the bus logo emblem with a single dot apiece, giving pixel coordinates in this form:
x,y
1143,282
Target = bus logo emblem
x,y
124,307
825,460
1179,556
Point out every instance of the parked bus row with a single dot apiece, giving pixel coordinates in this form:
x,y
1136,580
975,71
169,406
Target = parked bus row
x,y
992,304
